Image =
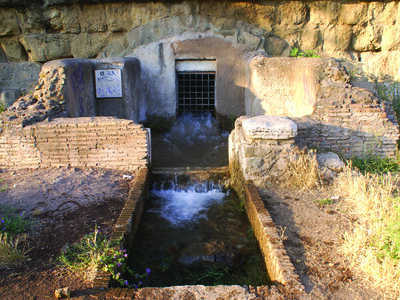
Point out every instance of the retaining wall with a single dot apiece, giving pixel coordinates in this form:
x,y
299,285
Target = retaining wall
x,y
98,142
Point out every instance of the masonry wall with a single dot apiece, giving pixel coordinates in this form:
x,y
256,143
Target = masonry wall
x,y
351,128
99,142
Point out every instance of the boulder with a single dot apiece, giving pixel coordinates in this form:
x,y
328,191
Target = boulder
x,y
330,161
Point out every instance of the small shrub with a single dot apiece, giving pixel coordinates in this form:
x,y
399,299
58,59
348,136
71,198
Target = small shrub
x,y
295,52
94,251
13,250
12,222
2,108
324,202
303,171
376,165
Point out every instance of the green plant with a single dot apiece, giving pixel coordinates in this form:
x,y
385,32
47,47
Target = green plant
x,y
2,108
376,165
12,222
295,52
4,188
373,244
94,251
13,250
323,202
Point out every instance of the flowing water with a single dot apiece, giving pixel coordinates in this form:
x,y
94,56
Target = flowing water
x,y
194,230
193,141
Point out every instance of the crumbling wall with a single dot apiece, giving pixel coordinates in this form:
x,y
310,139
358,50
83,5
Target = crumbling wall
x,y
331,114
100,142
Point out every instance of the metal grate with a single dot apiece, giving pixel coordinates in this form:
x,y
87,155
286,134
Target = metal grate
x,y
196,92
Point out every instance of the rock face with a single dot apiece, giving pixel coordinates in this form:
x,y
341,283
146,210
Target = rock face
x,y
44,30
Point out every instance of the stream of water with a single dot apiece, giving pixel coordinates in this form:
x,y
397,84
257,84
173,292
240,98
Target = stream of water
x,y
194,230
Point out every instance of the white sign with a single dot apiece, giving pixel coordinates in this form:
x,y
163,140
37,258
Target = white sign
x,y
108,83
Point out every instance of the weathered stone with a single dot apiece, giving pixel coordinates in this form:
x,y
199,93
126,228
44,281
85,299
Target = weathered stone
x,y
293,12
119,17
9,23
331,161
367,38
63,19
93,18
310,37
383,13
270,127
353,13
31,21
47,47
13,50
391,38
337,38
275,46
324,12
89,45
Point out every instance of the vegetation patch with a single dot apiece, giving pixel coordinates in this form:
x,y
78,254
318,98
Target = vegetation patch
x,y
93,252
376,165
373,245
303,171
2,108
295,52
13,243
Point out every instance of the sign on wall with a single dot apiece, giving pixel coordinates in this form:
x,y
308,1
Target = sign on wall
x,y
108,83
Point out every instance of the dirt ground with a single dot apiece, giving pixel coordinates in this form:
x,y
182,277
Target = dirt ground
x,y
66,204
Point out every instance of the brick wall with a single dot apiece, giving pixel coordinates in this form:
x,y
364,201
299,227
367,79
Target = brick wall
x,y
98,142
353,129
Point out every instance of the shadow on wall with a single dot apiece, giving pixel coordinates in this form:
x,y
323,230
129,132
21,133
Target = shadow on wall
x,y
345,141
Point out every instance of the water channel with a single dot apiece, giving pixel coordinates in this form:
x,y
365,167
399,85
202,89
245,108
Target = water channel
x,y
194,229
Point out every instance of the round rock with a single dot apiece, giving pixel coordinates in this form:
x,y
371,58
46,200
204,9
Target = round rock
x,y
270,128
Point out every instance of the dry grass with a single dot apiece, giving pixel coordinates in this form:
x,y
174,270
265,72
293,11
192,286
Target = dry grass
x,y
373,246
303,171
13,251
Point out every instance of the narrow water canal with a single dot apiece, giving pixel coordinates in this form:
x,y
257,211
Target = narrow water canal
x,y
194,230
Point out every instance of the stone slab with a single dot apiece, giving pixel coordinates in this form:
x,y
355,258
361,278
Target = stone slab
x,y
270,127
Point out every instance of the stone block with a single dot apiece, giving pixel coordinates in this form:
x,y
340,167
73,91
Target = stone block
x,y
293,12
9,23
63,19
367,38
47,47
13,50
31,21
353,13
391,38
324,12
337,38
88,45
119,16
275,46
93,18
270,128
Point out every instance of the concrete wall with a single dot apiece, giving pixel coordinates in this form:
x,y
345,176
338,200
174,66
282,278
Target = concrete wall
x,y
159,75
100,142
